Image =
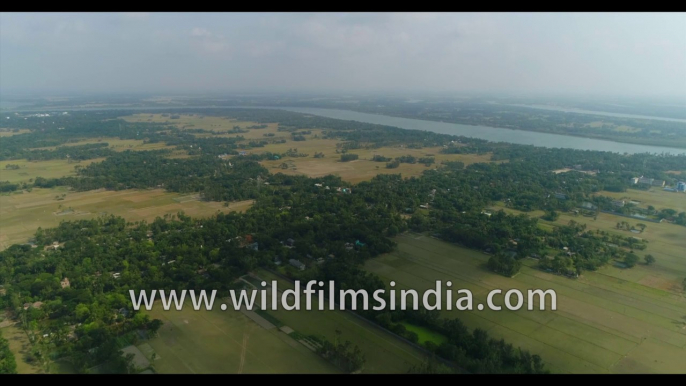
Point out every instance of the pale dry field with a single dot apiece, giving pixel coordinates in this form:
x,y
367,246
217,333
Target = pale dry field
x,y
22,214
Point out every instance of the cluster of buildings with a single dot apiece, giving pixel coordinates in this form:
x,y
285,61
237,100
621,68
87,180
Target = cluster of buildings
x,y
290,243
679,187
647,181
339,189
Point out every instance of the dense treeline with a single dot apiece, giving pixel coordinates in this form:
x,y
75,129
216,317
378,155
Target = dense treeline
x,y
475,351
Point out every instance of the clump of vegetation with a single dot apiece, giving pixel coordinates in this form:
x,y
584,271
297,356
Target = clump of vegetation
x,y
407,159
393,164
551,216
649,259
349,157
504,265
427,161
630,260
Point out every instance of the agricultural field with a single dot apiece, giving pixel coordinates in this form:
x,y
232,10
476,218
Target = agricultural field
x,y
29,170
9,132
225,342
23,213
385,353
115,144
219,125
362,169
354,171
603,323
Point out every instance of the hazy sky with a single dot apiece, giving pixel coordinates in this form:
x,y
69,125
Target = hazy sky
x,y
619,53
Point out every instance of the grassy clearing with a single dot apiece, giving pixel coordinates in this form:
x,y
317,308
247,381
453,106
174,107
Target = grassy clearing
x,y
20,346
23,213
226,342
424,334
603,324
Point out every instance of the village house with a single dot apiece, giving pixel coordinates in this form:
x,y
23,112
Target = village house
x,y
65,283
588,205
55,245
560,196
297,264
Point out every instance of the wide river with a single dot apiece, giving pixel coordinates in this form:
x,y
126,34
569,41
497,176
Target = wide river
x,y
601,113
490,133
483,132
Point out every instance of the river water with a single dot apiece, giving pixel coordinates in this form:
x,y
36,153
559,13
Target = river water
x,y
490,133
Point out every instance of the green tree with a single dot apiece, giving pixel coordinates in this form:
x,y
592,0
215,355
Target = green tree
x,y
649,259
630,260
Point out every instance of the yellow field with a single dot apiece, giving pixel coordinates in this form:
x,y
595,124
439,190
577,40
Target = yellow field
x,y
354,171
23,213
46,169
114,144
362,169
218,125
10,132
